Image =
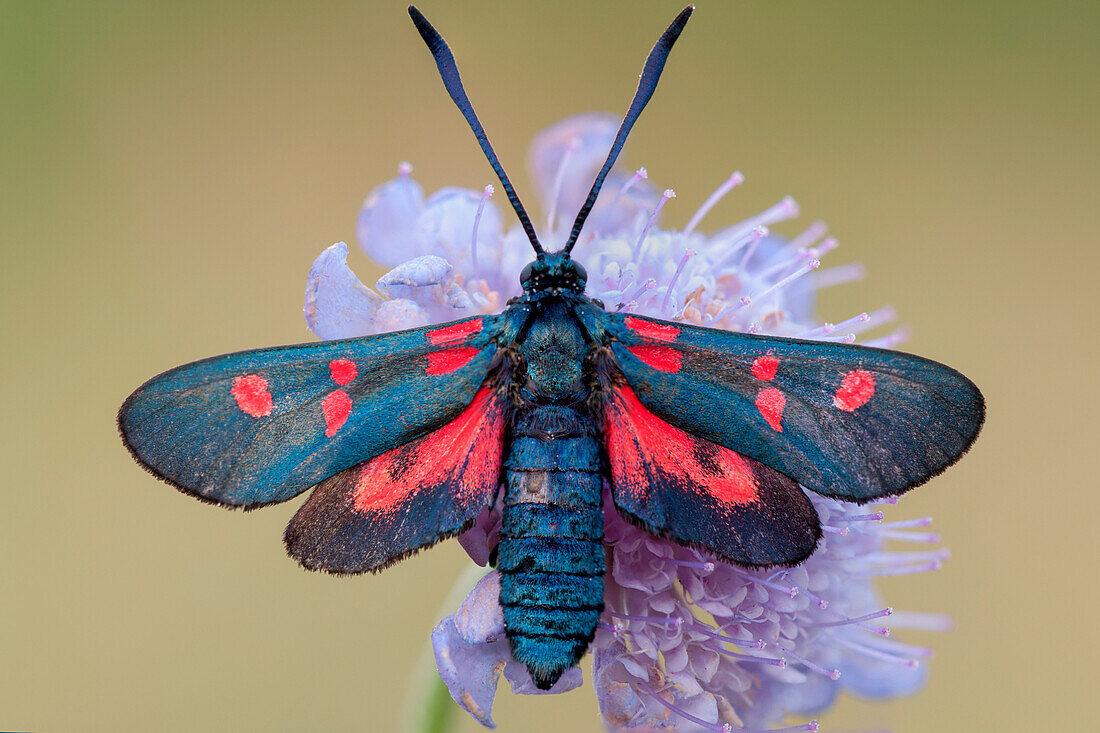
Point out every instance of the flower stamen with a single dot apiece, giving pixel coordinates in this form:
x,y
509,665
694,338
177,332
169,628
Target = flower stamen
x,y
639,175
668,194
477,221
688,254
846,621
736,179
716,727
808,267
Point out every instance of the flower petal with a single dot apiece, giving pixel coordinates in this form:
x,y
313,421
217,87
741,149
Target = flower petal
x,y
408,279
337,305
471,651
480,539
470,671
385,224
398,315
480,619
446,227
586,139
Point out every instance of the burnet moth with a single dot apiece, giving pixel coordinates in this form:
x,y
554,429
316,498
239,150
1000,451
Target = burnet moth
x,y
704,436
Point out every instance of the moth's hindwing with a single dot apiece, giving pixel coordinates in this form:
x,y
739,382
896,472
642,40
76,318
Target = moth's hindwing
x,y
409,497
850,422
678,485
258,427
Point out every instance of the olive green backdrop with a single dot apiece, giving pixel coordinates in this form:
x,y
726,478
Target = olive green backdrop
x,y
168,172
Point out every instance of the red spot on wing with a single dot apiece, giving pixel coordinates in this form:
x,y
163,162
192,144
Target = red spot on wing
x,y
465,452
764,368
661,358
651,330
336,408
855,390
770,402
645,452
252,396
454,332
343,371
449,360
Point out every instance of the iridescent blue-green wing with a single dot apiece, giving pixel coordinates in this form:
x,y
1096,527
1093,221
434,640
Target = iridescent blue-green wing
x,y
412,496
850,422
259,427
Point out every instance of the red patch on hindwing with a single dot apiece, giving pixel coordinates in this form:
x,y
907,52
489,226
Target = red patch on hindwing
x,y
764,368
449,360
643,450
343,371
651,330
252,396
661,358
855,390
770,402
336,408
455,332
465,452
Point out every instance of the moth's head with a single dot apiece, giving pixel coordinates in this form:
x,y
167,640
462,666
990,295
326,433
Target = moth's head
x,y
553,271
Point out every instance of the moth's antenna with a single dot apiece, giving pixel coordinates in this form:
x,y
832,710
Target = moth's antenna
x,y
448,70
651,73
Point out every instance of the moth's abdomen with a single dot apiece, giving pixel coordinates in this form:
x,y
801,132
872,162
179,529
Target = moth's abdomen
x,y
550,554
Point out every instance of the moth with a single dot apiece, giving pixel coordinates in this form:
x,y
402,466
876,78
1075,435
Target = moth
x,y
706,437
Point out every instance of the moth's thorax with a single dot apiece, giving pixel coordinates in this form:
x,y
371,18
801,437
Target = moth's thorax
x,y
553,348
553,271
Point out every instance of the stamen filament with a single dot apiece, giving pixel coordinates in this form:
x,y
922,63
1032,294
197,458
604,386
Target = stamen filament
x,y
668,194
736,179
639,175
688,254
477,221
809,266
846,621
716,727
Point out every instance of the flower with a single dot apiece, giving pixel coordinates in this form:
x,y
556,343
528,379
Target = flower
x,y
687,641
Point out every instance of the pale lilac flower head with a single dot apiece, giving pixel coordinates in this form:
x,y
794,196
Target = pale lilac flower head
x,y
687,642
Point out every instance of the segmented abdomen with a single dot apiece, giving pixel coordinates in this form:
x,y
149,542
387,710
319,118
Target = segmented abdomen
x,y
550,554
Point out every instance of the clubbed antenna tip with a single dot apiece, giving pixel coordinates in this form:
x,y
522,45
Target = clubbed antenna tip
x,y
647,84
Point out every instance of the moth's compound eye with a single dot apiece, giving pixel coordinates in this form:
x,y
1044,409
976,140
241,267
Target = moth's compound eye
x,y
582,274
528,271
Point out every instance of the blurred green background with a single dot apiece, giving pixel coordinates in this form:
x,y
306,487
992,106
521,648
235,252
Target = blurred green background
x,y
168,172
